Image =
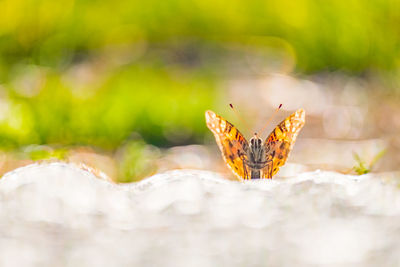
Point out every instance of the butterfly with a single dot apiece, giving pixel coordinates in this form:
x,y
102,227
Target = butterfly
x,y
256,159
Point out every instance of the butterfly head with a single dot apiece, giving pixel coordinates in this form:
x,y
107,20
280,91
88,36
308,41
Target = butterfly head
x,y
256,151
255,141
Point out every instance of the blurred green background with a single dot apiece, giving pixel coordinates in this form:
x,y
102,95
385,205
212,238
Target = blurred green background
x,y
112,74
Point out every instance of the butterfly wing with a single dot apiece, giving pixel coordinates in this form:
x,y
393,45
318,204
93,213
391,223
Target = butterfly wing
x,y
231,142
280,142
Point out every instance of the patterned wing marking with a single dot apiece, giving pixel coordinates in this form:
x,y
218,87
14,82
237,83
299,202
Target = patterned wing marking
x,y
280,142
231,142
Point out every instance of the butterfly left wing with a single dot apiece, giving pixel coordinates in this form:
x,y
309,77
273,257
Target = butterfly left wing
x,y
231,142
280,142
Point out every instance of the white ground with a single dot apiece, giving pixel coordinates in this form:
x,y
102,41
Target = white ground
x,y
58,215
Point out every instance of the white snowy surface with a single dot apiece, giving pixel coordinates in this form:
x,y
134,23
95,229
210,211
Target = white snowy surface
x,y
59,215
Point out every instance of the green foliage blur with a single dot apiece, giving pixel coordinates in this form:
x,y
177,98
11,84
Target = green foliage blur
x,y
79,72
353,35
131,99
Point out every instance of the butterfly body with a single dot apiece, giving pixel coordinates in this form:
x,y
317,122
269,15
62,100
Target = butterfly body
x,y
255,159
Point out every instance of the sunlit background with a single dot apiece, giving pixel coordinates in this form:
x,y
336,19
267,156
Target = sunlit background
x,y
122,86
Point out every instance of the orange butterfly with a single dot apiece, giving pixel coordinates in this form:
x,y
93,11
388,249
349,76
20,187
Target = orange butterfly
x,y
257,159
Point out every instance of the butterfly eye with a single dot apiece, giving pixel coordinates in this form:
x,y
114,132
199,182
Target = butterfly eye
x,y
259,142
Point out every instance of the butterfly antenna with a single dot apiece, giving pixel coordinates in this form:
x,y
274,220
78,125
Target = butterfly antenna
x,y
270,118
240,117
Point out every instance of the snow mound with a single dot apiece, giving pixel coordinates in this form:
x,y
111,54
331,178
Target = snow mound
x,y
59,215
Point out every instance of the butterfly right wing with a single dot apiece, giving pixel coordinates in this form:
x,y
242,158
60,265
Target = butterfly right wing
x,y
231,142
281,141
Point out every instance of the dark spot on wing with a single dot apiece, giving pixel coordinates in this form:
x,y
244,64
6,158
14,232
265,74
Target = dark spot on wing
x,y
283,145
230,144
273,137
